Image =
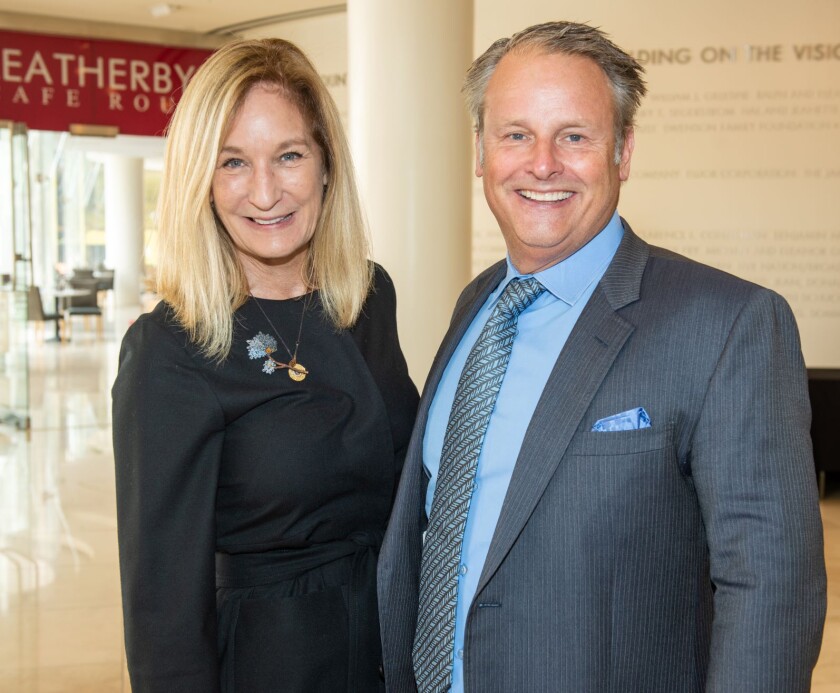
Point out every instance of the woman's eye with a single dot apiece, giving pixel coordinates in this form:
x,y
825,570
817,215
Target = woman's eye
x,y
291,156
233,163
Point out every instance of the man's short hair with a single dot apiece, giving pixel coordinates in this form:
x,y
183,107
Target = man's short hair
x,y
622,70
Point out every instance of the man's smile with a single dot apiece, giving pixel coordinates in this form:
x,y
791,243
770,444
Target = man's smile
x,y
545,196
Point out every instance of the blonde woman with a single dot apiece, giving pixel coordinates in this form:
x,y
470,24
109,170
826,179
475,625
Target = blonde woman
x,y
262,410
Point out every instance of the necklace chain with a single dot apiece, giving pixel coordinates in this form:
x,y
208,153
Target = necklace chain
x,y
296,370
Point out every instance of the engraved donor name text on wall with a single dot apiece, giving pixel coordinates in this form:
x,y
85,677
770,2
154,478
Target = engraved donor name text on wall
x,y
737,164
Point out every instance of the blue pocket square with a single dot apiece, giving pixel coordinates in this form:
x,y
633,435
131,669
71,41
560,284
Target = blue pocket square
x,y
629,420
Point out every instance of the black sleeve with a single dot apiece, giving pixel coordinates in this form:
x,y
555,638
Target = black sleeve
x,y
168,431
376,335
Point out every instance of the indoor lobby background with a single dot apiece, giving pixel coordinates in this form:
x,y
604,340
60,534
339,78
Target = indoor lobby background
x,y
737,164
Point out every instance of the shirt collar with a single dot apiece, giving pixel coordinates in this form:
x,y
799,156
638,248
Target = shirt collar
x,y
569,279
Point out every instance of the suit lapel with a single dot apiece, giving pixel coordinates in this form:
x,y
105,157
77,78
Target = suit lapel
x,y
587,356
399,560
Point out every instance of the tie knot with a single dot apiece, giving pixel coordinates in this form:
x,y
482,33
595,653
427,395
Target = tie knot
x,y
519,294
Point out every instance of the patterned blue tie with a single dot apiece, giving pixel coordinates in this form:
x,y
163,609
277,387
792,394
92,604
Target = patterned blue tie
x,y
474,400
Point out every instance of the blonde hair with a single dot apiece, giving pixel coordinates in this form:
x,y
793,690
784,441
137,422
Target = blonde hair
x,y
199,274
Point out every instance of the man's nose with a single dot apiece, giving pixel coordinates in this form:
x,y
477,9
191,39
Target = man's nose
x,y
546,158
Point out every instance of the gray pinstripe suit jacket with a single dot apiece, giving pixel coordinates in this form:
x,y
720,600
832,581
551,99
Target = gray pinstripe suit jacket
x,y
683,557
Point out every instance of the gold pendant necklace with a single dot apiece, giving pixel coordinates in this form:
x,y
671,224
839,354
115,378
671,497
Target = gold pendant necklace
x,y
263,345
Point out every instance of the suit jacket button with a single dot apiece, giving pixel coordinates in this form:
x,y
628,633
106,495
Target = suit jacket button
x,y
381,672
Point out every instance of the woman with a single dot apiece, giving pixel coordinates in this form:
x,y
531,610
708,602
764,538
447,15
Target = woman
x,y
262,410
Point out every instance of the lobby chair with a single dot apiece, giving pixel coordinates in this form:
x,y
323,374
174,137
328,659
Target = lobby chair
x,y
37,314
104,279
87,306
104,283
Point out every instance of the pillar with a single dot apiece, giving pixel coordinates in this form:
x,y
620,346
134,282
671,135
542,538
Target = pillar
x,y
124,226
412,146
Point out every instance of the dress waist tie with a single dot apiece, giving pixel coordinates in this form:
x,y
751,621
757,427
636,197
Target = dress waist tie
x,y
255,569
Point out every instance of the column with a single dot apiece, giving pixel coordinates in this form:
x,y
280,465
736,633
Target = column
x,y
124,226
412,146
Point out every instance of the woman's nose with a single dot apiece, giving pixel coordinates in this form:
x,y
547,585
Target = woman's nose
x,y
265,189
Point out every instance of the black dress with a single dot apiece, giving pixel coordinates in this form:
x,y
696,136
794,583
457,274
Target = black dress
x,y
251,507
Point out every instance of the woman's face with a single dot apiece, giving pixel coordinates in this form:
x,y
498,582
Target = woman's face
x,y
268,185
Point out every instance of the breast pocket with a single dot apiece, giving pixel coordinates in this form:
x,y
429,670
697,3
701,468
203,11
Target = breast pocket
x,y
626,485
617,443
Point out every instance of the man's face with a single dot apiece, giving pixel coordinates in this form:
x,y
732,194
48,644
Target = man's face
x,y
549,168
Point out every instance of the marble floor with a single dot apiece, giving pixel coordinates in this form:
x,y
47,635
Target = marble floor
x,y
60,620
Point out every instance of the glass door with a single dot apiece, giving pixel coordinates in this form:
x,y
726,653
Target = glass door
x,y
15,274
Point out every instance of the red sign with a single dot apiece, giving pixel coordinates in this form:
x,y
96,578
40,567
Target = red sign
x,y
51,82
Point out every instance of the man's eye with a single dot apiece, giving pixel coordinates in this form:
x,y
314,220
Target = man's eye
x,y
517,136
575,138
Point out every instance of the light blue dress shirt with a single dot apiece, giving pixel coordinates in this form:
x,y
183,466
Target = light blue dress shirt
x,y
542,332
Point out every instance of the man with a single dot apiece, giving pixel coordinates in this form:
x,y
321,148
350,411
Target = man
x,y
610,485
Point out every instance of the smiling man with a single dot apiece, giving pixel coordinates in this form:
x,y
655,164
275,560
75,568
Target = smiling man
x,y
610,484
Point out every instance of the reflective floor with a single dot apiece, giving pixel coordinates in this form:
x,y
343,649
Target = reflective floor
x,y
60,621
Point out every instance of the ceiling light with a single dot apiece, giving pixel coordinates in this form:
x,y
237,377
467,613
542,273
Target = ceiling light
x,y
162,9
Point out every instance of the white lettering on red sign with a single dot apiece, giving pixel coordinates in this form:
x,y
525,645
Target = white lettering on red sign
x,y
9,63
77,71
